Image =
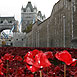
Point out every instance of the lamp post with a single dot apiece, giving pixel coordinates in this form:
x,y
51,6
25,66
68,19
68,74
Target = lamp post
x,y
64,28
38,38
47,37
72,17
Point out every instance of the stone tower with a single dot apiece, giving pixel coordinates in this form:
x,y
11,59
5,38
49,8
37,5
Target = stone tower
x,y
29,15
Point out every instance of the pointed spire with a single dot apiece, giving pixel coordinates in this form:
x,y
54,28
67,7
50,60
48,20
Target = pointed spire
x,y
22,7
35,7
43,17
30,6
39,13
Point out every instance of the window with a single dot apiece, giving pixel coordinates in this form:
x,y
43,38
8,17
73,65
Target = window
x,y
1,21
24,11
22,39
16,39
10,21
69,0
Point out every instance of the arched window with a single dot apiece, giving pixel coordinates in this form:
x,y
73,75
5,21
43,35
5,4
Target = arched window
x,y
69,0
1,21
10,21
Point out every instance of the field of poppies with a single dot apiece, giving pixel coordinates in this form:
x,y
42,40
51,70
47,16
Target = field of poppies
x,y
38,62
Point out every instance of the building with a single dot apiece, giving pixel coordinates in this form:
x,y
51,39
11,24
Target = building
x,y
5,24
29,15
59,30
18,39
8,23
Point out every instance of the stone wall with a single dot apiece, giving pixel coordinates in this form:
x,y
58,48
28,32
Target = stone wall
x,y
60,24
18,39
58,30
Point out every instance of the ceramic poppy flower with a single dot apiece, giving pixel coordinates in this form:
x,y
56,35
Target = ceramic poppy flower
x,y
30,56
56,69
65,56
20,71
0,61
41,61
49,54
74,63
36,60
34,52
4,70
18,58
32,68
8,57
75,75
1,73
1,66
11,70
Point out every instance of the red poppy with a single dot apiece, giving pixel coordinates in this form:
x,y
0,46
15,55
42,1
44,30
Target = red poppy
x,y
74,63
30,56
20,71
32,68
75,75
41,61
34,52
4,70
18,58
49,54
65,57
0,61
11,70
56,69
1,73
1,66
8,57
36,60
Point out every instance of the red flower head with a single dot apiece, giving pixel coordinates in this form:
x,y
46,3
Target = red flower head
x,y
74,63
8,57
57,69
0,61
30,56
65,57
75,75
35,60
49,54
11,70
1,73
18,58
34,52
41,61
32,68
20,71
1,66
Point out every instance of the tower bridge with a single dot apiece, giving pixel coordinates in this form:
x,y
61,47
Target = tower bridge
x,y
7,23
